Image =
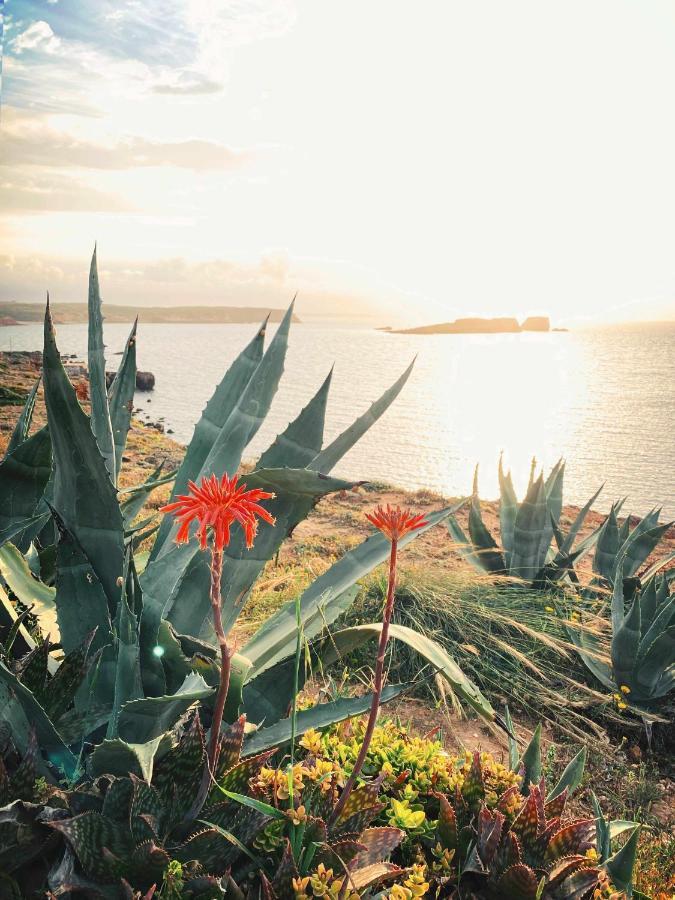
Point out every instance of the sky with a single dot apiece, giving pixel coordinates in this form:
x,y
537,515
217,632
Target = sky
x,y
392,161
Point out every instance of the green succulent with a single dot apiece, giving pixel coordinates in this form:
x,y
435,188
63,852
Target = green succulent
x,y
527,530
641,668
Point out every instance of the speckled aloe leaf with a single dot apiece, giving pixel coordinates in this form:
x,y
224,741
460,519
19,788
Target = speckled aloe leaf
x,y
378,873
574,837
178,772
446,829
213,418
98,393
22,783
380,843
51,743
88,834
316,717
22,427
66,681
84,496
275,639
145,811
121,398
209,846
518,883
578,885
236,779
24,474
527,824
348,639
532,534
473,788
231,741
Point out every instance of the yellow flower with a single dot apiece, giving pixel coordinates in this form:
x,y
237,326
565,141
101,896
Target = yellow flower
x,y
592,854
549,609
311,741
415,881
624,689
622,705
297,816
300,888
398,892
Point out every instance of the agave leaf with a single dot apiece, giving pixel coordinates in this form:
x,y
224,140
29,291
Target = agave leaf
x,y
159,582
333,453
554,490
275,639
654,569
29,590
514,756
508,510
213,418
50,741
320,716
658,658
81,604
128,684
84,495
117,757
625,642
100,413
571,777
465,547
660,622
484,544
532,534
299,444
15,633
639,545
24,474
136,498
577,525
121,397
347,639
143,720
620,866
530,762
22,427
607,546
586,648
265,695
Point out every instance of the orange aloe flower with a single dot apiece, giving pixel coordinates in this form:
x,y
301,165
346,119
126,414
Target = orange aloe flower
x,y
217,503
395,522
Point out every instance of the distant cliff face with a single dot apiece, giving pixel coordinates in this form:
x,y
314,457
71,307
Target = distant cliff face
x,y
502,325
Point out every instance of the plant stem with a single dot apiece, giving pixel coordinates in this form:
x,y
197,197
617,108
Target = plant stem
x,y
378,685
213,749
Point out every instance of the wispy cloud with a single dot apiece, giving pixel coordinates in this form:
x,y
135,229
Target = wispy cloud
x,y
45,193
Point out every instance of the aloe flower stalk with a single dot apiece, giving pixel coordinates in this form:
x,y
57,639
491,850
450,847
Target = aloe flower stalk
x,y
394,523
216,504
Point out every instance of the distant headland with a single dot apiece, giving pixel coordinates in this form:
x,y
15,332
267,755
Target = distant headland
x,y
13,313
503,325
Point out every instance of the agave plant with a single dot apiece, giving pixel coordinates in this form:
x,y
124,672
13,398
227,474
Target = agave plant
x,y
641,667
527,530
150,632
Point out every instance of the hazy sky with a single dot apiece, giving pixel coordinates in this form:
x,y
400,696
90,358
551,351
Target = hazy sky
x,y
413,161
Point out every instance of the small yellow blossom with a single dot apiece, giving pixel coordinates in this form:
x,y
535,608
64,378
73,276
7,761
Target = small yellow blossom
x,y
311,741
624,689
549,609
622,705
297,816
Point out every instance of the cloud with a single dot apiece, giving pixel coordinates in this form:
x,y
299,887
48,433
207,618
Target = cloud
x,y
188,83
49,194
30,144
38,36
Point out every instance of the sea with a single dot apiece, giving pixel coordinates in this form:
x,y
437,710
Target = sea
x,y
601,398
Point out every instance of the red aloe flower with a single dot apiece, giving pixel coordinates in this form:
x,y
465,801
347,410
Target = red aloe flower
x,y
216,503
395,522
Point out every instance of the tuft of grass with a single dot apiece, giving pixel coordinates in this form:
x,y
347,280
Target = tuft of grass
x,y
511,640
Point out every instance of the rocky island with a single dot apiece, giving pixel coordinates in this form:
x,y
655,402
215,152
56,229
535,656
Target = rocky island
x,y
502,325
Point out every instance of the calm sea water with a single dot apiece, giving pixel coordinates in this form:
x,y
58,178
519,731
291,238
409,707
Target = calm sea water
x,y
603,399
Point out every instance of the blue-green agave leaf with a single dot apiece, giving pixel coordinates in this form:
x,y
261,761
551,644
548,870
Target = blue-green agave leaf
x,y
100,413
121,398
22,427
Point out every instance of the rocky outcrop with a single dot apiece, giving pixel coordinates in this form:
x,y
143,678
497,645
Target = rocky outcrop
x,y
500,325
145,381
